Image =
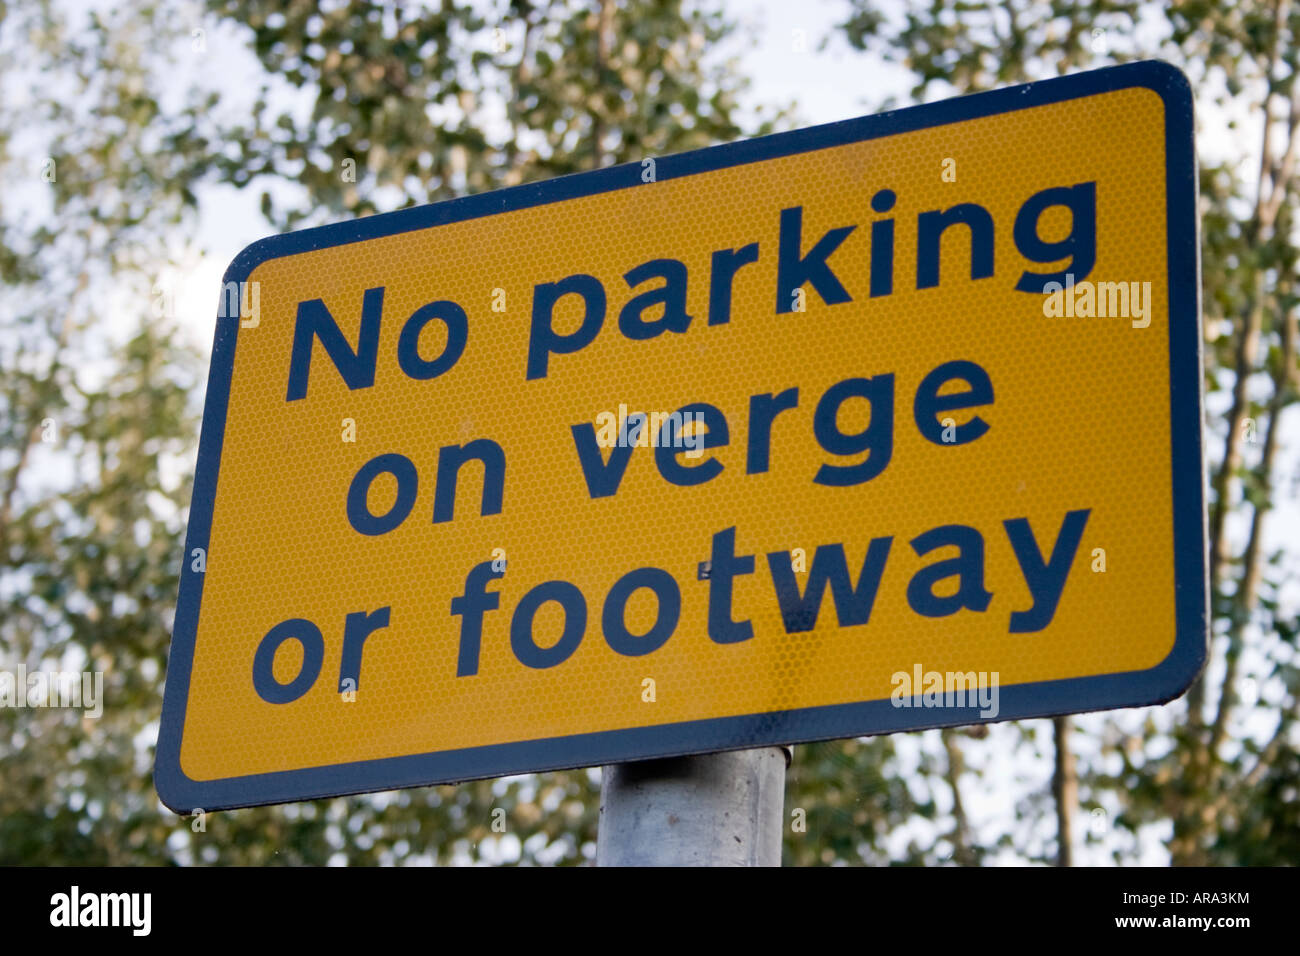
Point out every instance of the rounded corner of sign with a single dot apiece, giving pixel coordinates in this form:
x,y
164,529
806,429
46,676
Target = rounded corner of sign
x,y
1180,668
1167,81
249,258
175,789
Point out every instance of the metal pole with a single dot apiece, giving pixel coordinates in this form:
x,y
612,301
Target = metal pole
x,y
723,809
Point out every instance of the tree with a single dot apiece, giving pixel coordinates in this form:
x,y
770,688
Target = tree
x,y
413,104
95,421
404,99
1224,790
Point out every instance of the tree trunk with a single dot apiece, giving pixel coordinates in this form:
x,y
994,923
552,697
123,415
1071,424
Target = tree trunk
x,y
1065,788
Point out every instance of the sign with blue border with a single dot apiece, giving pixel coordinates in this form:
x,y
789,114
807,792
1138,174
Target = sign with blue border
x,y
471,497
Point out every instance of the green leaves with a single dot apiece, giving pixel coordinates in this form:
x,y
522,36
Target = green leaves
x,y
363,107
431,102
1243,62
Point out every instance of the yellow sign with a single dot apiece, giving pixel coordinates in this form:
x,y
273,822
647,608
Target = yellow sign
x,y
883,425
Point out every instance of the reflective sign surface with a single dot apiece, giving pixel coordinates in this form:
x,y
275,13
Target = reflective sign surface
x,y
883,425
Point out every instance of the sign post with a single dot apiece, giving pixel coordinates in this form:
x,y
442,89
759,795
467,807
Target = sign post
x,y
878,426
721,809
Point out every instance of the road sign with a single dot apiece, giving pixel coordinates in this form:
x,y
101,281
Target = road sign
x,y
882,425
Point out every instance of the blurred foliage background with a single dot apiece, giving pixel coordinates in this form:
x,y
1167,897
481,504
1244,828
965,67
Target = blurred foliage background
x,y
103,157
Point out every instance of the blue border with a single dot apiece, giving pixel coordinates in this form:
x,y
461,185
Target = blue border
x,y
1161,683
